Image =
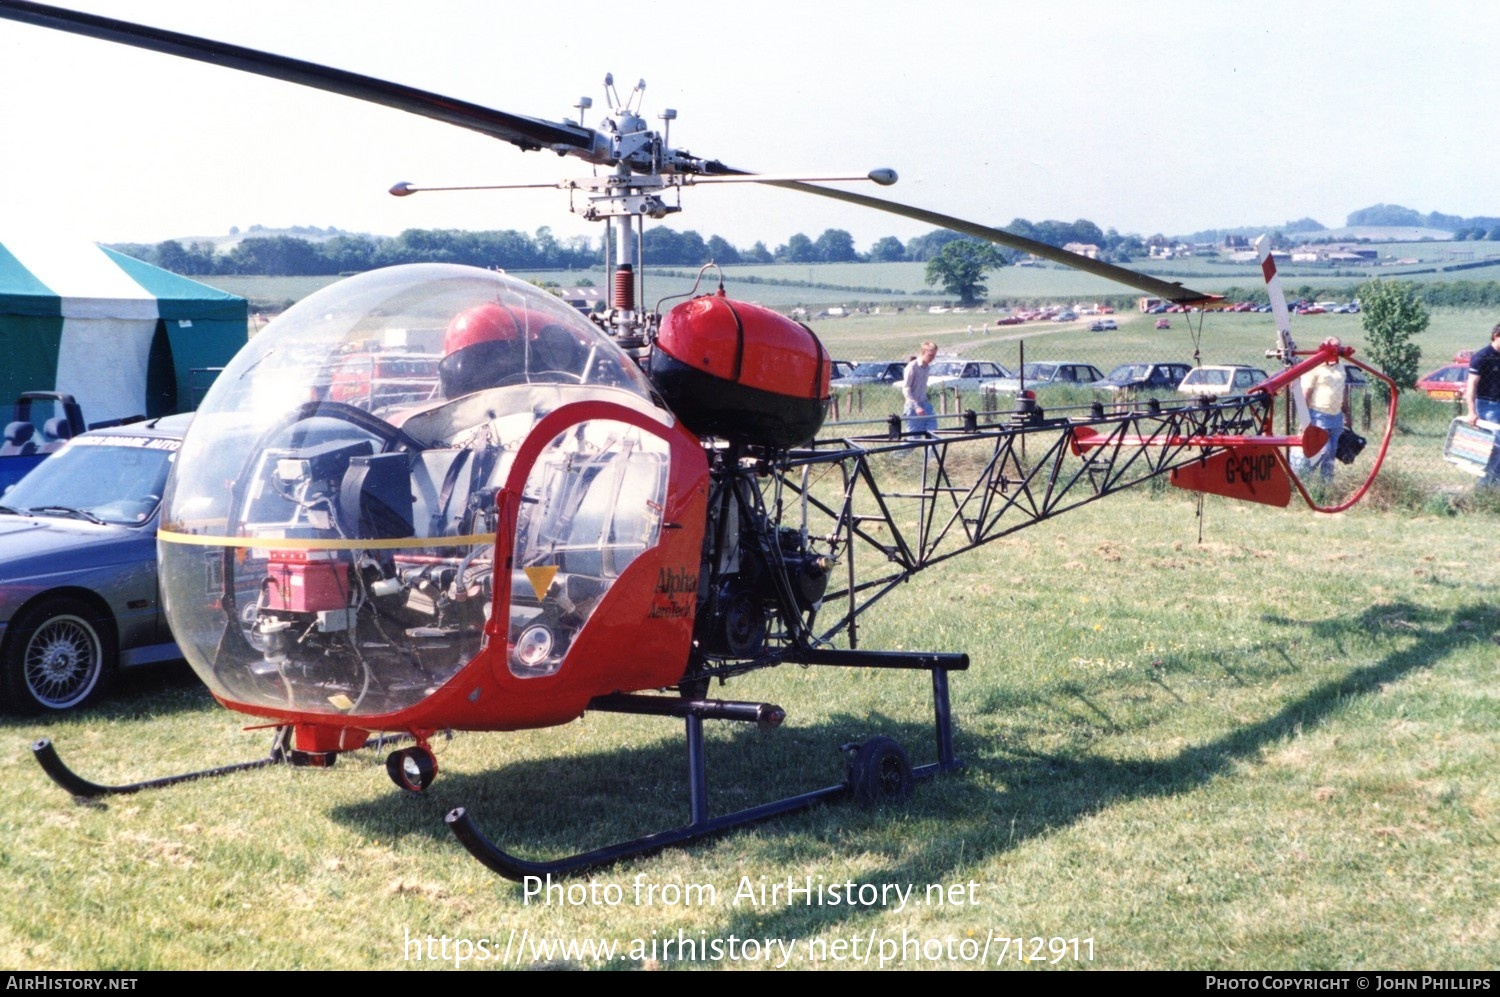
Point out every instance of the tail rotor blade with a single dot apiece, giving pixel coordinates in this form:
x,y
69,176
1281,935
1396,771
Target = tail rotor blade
x,y
1283,318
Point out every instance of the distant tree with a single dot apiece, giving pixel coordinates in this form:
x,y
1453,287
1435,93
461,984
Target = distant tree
x,y
1123,248
277,255
170,255
1436,219
546,247
924,247
1302,225
694,250
835,246
1392,314
798,249
1084,230
887,250
960,267
1385,215
757,253
668,246
349,253
721,251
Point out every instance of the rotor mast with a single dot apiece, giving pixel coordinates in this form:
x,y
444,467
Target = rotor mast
x,y
626,196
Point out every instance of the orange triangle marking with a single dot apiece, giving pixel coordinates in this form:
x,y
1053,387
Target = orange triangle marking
x,y
541,578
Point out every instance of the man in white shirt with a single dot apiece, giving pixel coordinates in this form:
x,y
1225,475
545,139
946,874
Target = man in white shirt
x,y
918,411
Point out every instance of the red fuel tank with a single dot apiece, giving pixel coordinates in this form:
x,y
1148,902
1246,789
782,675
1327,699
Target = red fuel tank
x,y
741,372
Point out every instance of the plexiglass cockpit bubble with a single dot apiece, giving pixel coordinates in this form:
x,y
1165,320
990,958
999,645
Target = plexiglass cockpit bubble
x,y
329,542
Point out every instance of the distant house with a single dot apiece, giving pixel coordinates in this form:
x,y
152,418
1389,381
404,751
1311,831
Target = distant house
x,y
1083,249
1334,254
585,299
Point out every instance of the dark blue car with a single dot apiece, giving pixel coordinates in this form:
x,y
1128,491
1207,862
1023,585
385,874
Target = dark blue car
x,y
78,584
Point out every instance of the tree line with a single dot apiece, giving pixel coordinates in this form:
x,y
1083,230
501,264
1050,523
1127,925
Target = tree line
x,y
294,256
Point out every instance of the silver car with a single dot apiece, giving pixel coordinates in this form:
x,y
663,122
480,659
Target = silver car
x,y
78,585
965,376
1070,373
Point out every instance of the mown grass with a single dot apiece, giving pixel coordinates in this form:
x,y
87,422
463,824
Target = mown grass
x,y
1271,747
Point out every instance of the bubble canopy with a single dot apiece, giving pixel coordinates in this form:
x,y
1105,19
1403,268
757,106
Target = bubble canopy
x,y
328,545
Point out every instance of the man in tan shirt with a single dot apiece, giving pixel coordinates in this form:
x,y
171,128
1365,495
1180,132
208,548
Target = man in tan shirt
x,y
1327,394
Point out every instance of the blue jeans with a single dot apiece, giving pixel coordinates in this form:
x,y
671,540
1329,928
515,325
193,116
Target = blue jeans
x,y
919,418
1323,459
1489,411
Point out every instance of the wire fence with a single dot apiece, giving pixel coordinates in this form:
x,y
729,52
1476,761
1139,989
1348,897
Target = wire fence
x,y
1416,473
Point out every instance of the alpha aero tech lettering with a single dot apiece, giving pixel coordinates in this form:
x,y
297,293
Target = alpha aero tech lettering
x,y
676,589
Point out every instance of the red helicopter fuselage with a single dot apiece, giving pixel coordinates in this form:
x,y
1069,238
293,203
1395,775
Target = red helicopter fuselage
x,y
488,551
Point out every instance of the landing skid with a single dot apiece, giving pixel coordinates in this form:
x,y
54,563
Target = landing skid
x,y
281,753
878,769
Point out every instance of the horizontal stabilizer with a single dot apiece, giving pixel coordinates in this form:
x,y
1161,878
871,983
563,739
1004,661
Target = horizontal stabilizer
x,y
1254,474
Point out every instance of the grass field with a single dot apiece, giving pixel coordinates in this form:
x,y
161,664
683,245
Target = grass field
x,y
1271,747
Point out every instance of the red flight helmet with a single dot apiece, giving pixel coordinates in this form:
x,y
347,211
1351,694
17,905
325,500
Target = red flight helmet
x,y
482,347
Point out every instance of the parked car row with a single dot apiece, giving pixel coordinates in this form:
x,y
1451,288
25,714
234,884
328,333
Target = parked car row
x,y
984,377
968,376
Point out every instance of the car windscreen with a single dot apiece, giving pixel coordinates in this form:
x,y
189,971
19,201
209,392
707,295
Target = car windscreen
x,y
115,479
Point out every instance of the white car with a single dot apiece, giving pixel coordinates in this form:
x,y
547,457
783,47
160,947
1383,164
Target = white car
x,y
1221,381
1067,373
963,376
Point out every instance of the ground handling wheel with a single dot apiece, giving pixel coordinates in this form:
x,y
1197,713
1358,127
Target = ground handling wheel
x,y
413,769
880,772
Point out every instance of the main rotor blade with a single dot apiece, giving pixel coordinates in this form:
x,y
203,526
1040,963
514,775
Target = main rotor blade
x,y
1171,291
528,133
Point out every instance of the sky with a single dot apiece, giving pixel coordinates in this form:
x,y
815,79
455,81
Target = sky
x,y
1145,117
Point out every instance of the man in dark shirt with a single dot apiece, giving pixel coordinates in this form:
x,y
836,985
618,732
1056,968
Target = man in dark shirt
x,y
1482,398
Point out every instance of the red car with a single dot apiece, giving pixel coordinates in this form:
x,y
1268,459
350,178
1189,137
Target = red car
x,y
1447,382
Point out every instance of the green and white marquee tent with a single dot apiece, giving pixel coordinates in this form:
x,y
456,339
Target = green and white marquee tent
x,y
123,337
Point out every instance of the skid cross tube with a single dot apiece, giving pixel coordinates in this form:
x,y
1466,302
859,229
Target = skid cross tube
x,y
694,712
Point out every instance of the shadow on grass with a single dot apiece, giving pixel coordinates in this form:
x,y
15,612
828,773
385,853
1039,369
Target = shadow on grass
x,y
552,807
547,808
142,693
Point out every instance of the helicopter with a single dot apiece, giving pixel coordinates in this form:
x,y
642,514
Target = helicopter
x,y
604,514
